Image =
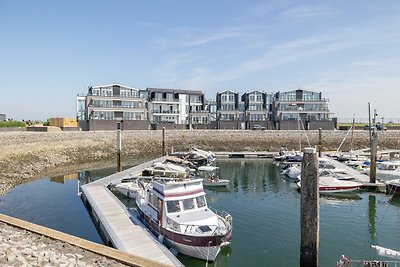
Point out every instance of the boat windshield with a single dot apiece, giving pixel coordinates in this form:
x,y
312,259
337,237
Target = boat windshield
x,y
201,201
173,206
188,203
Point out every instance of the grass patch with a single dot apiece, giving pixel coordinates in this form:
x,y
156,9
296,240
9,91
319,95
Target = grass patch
x,y
12,124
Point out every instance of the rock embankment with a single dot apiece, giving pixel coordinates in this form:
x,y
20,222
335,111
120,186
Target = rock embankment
x,y
26,155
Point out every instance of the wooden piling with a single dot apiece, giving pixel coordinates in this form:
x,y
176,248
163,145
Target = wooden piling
x,y
119,146
309,214
374,148
319,142
164,150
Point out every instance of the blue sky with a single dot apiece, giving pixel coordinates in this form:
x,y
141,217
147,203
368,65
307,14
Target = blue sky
x,y
53,50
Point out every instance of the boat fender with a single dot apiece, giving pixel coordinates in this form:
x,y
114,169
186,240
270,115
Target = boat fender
x,y
161,239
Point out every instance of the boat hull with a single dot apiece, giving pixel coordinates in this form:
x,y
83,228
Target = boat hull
x,y
216,183
201,247
337,189
394,186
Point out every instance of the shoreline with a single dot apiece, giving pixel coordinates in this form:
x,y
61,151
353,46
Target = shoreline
x,y
27,156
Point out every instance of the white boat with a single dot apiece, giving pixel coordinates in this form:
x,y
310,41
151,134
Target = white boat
x,y
166,170
209,176
177,212
294,171
394,186
387,252
337,174
386,170
329,184
131,187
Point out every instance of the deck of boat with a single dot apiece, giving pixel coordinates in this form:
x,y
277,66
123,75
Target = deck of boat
x,y
117,224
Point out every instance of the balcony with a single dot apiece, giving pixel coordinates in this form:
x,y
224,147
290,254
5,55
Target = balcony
x,y
165,100
165,112
115,96
114,107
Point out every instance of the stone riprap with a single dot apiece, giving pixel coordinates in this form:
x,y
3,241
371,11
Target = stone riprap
x,y
23,248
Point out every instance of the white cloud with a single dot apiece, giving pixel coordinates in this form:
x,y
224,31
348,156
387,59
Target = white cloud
x,y
309,11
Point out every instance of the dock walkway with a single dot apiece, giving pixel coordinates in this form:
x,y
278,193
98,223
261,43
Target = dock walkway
x,y
118,225
358,176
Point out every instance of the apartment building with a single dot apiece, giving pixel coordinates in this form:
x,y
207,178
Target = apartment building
x,y
106,105
176,108
230,111
256,109
301,108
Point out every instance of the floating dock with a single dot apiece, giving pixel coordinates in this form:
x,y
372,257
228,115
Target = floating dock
x,y
119,227
358,176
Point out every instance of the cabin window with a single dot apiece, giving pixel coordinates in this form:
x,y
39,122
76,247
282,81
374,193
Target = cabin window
x,y
173,206
153,199
201,201
188,204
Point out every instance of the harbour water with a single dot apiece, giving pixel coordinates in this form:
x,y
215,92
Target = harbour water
x,y
265,209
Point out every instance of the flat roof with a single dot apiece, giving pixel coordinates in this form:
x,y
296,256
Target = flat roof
x,y
174,90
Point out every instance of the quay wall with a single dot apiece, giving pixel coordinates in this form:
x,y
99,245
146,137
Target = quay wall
x,y
26,155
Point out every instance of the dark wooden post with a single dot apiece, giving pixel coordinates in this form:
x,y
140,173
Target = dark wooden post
x,y
319,142
309,214
164,150
119,146
372,175
373,149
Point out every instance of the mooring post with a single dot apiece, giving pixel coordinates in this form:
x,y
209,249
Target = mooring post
x,y
372,176
373,150
164,150
119,145
309,214
319,142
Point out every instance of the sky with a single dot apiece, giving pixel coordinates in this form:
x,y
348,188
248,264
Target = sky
x,y
50,51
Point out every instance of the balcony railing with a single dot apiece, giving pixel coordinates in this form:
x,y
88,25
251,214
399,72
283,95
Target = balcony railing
x,y
115,106
114,96
165,112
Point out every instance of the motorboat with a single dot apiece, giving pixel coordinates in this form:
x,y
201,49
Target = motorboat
x,y
176,211
130,187
393,186
329,184
294,171
166,170
209,176
337,174
386,170
197,156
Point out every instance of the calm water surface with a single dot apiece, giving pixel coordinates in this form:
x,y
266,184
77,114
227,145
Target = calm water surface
x,y
265,209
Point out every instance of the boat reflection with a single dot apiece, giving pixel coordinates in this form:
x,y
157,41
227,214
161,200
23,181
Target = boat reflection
x,y
341,196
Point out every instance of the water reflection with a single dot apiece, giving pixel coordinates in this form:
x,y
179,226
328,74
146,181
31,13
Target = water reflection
x,y
265,210
371,218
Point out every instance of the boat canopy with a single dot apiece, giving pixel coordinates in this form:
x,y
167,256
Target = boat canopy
x,y
207,168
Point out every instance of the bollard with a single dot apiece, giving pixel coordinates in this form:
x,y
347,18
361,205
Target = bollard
x,y
309,205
